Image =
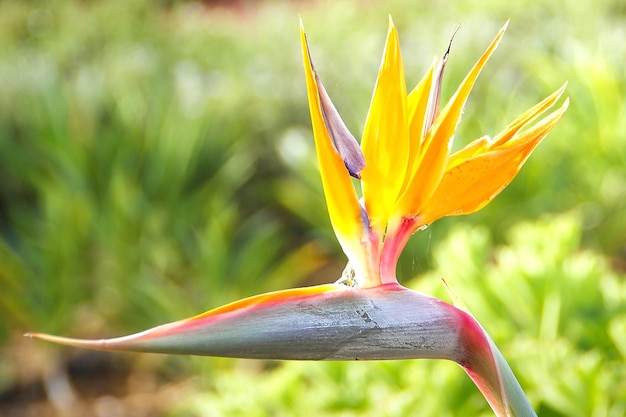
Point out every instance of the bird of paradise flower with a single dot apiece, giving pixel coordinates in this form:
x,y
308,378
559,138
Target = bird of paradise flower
x,y
409,179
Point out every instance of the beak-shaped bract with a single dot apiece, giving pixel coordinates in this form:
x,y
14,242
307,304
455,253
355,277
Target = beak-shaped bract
x,y
333,322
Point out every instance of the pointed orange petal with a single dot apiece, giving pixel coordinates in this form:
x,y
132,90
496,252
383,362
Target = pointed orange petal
x,y
476,147
526,117
439,139
385,137
483,144
473,183
343,205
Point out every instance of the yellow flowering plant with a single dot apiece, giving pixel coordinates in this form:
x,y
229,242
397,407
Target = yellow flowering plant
x,y
409,179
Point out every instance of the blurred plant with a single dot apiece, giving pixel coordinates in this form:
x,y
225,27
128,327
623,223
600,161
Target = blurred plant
x,y
126,168
124,155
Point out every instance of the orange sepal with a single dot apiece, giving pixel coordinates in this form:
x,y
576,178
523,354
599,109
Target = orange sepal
x,y
436,147
469,185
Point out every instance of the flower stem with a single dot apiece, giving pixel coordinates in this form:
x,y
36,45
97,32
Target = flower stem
x,y
398,234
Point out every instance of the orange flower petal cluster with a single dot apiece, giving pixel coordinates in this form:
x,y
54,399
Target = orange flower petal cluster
x,y
408,176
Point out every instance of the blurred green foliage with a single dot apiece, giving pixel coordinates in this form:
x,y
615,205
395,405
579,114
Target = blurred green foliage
x,y
156,160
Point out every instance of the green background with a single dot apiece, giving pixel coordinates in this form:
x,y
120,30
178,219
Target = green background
x,y
156,160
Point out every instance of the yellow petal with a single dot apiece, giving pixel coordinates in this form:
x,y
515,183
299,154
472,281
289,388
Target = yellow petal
x,y
385,138
471,184
417,103
436,148
343,205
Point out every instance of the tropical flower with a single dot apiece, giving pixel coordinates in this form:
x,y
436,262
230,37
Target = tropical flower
x,y
409,179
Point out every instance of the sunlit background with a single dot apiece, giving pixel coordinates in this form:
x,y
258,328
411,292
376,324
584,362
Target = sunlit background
x,y
156,160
